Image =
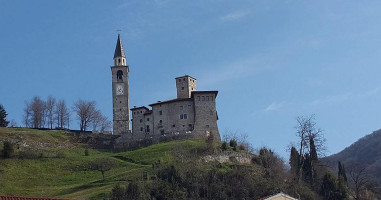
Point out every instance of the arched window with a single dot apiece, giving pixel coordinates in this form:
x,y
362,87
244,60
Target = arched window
x,y
119,61
119,75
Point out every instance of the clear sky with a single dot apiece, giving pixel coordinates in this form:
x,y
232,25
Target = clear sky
x,y
270,60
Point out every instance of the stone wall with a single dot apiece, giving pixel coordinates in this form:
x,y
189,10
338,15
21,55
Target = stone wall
x,y
205,114
171,121
229,156
133,141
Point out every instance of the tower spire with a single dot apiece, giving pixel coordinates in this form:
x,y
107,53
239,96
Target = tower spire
x,y
119,52
119,56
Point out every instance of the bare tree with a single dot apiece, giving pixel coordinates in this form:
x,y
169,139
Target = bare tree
x,y
50,106
13,123
62,114
37,106
105,124
85,111
27,114
306,131
97,119
311,143
360,180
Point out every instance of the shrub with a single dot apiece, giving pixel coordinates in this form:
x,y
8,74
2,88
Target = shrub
x,y
233,143
8,149
224,146
242,147
86,152
117,193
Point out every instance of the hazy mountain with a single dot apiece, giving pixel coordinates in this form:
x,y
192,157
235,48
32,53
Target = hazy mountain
x,y
366,151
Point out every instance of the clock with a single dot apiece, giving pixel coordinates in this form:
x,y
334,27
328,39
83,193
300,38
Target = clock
x,y
119,90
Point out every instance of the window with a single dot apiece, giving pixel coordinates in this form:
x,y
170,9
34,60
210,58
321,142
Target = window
x,y
161,121
173,125
162,132
119,60
203,98
160,112
181,116
148,119
207,98
141,120
120,101
211,98
198,98
141,128
192,88
207,126
181,107
183,79
179,80
147,129
185,116
182,88
134,113
119,75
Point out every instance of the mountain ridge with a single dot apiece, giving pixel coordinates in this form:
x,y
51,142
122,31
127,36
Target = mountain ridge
x,y
366,151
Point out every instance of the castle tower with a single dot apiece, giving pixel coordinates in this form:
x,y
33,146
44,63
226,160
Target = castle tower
x,y
120,91
185,86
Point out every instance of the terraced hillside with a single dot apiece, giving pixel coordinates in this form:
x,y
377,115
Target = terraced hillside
x,y
53,164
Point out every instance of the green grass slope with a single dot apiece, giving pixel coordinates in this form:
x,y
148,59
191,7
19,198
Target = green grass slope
x,y
52,164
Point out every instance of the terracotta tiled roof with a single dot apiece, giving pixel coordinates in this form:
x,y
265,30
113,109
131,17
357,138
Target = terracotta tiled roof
x,y
185,76
170,101
27,198
136,108
202,92
148,112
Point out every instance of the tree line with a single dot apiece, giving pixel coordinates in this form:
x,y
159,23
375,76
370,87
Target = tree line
x,y
52,113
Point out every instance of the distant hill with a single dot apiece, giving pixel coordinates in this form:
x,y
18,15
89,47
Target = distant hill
x,y
366,151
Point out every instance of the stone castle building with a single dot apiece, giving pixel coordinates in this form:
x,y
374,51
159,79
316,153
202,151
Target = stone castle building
x,y
192,113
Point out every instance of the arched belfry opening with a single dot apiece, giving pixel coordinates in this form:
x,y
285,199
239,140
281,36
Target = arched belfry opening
x,y
119,76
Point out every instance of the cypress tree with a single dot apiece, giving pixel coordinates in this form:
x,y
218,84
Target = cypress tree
x,y
328,187
313,153
294,163
3,117
341,172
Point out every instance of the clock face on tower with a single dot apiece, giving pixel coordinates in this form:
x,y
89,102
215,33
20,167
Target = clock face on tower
x,y
119,90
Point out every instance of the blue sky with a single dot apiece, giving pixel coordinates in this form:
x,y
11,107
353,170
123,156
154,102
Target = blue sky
x,y
270,60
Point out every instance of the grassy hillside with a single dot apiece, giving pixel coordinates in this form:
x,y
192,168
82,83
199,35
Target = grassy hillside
x,y
52,164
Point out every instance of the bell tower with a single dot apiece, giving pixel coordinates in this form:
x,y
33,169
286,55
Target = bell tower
x,y
120,91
